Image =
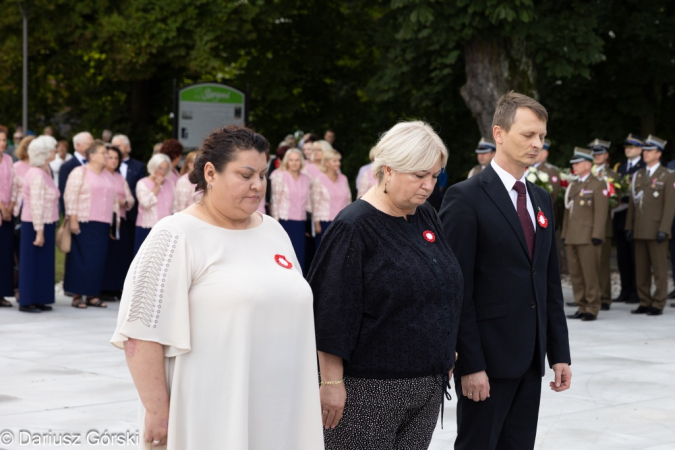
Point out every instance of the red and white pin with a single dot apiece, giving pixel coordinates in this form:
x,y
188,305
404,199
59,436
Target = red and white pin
x,y
283,262
554,179
429,236
542,220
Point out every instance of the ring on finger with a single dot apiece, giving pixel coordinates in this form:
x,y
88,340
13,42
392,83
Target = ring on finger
x,y
156,442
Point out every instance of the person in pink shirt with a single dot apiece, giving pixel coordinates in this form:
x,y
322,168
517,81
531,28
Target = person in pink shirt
x,y
120,254
89,197
174,150
365,179
39,216
329,193
290,200
8,197
20,168
313,167
184,193
155,197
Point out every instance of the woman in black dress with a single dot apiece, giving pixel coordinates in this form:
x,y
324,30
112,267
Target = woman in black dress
x,y
387,296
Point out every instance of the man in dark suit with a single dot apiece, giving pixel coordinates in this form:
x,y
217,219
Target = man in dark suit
x,y
81,142
132,170
501,228
625,250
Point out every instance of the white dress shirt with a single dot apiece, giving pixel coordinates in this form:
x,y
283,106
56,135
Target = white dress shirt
x,y
80,158
632,163
509,182
652,169
124,167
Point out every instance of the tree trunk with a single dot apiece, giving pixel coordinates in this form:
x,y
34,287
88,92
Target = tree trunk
x,y
493,68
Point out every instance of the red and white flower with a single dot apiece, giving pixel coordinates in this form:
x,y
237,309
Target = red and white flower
x,y
429,236
283,262
542,220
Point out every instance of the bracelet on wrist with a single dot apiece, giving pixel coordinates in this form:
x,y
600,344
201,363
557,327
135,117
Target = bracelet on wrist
x,y
332,383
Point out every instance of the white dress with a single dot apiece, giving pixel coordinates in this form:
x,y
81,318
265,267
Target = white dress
x,y
237,326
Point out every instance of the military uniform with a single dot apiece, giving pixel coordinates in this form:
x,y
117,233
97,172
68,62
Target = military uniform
x,y
625,251
484,146
584,226
648,223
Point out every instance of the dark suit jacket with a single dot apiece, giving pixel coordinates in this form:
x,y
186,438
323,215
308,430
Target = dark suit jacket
x,y
65,170
619,218
511,302
135,171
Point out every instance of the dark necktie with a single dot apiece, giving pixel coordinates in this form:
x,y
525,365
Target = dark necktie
x,y
524,216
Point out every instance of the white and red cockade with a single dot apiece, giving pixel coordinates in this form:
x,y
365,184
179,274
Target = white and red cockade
x,y
542,220
429,236
283,262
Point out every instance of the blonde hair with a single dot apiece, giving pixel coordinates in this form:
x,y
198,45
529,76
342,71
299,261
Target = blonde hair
x,y
291,151
156,161
39,150
22,150
371,154
189,158
328,156
324,146
409,147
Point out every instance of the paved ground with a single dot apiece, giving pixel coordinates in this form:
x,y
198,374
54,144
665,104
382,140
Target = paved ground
x,y
59,376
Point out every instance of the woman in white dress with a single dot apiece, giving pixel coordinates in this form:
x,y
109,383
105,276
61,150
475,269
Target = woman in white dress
x,y
216,319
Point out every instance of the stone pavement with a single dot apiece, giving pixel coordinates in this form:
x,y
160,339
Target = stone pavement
x,y
60,379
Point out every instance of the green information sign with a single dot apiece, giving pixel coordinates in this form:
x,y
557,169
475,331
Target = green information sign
x,y
205,107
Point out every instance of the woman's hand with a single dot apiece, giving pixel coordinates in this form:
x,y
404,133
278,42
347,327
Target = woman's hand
x,y
74,225
317,227
156,427
333,400
39,238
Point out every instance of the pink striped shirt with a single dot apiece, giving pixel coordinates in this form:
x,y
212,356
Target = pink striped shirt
x,y
290,197
40,199
93,200
153,208
8,181
123,194
328,198
183,194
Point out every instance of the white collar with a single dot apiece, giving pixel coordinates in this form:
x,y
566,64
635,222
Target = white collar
x,y
635,160
653,168
80,158
581,180
508,179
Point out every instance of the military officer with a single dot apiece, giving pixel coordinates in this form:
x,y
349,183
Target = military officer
x,y
648,225
625,252
484,153
584,222
602,172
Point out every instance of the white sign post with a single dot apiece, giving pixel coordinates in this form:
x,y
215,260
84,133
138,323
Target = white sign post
x,y
204,107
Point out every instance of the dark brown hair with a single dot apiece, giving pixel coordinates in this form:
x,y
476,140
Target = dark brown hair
x,y
221,147
3,129
112,148
508,105
171,148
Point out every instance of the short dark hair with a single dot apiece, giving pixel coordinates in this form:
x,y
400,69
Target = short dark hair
x,y
508,105
312,138
171,148
109,147
4,130
93,147
221,147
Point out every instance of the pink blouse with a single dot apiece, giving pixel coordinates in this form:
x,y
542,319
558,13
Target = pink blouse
x,y
290,197
90,196
8,181
21,168
123,195
329,198
153,208
365,180
173,176
312,170
40,199
183,194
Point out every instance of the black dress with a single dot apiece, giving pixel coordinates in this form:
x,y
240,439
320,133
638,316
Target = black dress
x,y
387,299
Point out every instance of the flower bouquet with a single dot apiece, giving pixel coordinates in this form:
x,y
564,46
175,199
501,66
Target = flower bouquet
x,y
539,178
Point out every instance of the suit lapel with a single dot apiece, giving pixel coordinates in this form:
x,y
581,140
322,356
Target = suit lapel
x,y
496,191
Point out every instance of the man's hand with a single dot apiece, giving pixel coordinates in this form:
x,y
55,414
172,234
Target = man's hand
x,y
476,386
563,377
661,236
596,241
629,235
